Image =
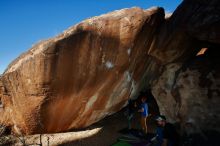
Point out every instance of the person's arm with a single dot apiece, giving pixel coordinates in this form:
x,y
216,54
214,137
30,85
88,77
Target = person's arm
x,y
164,142
141,110
165,136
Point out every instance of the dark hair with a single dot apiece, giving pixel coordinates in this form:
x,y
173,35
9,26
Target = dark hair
x,y
163,117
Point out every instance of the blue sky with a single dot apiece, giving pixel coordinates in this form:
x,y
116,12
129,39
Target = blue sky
x,y
26,22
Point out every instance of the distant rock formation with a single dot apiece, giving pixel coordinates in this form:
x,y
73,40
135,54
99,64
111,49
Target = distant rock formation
x,y
93,68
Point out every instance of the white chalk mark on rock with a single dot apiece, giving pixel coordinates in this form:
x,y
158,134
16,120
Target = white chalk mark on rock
x,y
129,51
109,64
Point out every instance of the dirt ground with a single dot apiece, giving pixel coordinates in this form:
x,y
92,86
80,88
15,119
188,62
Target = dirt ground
x,y
103,133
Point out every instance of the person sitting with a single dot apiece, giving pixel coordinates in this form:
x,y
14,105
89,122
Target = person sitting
x,y
166,133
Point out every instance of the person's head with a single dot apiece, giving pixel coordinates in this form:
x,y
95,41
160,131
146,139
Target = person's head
x,y
143,98
135,104
161,120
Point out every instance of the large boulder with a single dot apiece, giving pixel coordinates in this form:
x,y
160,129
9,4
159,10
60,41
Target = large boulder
x,y
81,76
188,88
93,68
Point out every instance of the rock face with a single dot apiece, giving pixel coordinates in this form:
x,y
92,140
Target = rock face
x,y
188,90
80,76
90,71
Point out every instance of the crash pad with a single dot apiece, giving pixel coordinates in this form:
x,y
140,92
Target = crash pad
x,y
121,143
